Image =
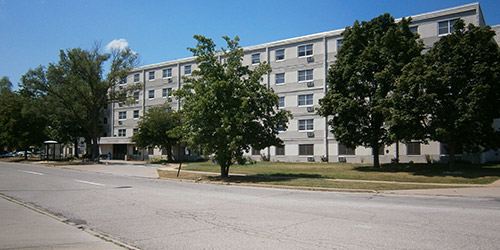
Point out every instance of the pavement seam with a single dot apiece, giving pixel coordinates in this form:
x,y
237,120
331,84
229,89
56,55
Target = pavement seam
x,y
64,220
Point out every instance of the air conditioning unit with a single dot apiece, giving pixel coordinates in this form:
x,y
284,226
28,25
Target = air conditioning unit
x,y
310,134
342,159
310,59
310,109
120,122
170,80
310,159
310,84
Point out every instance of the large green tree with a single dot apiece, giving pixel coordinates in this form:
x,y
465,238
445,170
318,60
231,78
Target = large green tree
x,y
452,93
159,127
78,84
372,56
5,83
21,126
226,108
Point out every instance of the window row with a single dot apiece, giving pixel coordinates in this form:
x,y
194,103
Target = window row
x,y
302,100
122,115
413,148
123,132
165,92
302,75
166,73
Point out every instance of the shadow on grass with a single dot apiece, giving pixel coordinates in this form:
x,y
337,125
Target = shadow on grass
x,y
262,178
430,170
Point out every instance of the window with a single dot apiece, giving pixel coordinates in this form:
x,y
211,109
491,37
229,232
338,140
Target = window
x,y
305,50
306,125
339,44
167,73
151,151
135,131
187,70
446,27
280,55
305,100
122,115
256,58
280,128
343,150
255,152
105,120
136,77
136,96
413,148
124,80
305,75
136,114
306,149
122,132
151,75
165,92
280,150
414,29
151,94
280,78
282,102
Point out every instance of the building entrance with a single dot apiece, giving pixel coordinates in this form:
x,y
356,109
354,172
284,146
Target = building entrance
x,y
119,151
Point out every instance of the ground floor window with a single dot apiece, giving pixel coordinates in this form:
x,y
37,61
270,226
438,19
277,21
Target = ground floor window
x,y
343,150
306,149
280,150
150,151
413,148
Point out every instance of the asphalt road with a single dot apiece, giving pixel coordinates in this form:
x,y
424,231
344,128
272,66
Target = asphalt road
x,y
161,214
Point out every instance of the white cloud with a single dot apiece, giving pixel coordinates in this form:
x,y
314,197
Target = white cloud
x,y
118,44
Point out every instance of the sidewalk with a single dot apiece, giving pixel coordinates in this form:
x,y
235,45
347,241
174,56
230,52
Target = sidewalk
x,y
24,228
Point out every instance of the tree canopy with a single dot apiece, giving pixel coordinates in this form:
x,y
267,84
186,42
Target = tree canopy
x,y
77,84
159,128
360,81
21,126
226,108
452,93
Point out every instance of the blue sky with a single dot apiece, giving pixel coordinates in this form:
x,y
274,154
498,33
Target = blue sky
x,y
33,31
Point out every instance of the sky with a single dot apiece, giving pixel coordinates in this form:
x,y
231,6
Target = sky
x,y
32,32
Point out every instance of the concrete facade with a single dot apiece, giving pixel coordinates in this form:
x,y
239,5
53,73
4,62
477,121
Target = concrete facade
x,y
299,69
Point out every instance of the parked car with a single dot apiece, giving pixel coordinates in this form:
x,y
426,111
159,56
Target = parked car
x,y
21,153
8,155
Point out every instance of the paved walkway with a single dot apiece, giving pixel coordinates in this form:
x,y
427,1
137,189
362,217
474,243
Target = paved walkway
x,y
24,227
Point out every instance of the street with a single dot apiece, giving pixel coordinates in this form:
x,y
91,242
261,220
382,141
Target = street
x,y
160,214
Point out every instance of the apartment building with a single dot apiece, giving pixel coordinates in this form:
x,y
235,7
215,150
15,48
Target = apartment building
x,y
298,77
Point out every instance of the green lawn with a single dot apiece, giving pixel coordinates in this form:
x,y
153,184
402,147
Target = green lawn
x,y
421,173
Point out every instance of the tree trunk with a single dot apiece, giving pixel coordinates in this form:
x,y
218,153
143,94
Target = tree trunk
x,y
451,153
169,153
76,148
26,154
95,149
224,169
397,151
376,163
